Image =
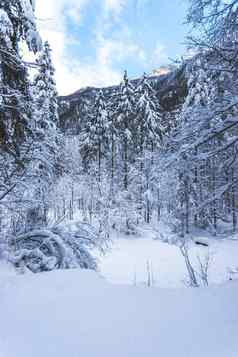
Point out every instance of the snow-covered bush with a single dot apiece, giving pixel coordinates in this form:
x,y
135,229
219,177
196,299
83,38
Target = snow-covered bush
x,y
197,274
124,217
60,247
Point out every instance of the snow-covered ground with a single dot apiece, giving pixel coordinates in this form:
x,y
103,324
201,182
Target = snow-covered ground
x,y
127,261
76,313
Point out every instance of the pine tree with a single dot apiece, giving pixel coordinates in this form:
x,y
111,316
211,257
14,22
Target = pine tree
x,y
203,149
16,132
46,135
148,136
192,124
94,137
149,120
46,105
124,123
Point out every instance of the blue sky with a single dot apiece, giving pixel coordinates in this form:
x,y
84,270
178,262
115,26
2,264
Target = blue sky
x,y
93,41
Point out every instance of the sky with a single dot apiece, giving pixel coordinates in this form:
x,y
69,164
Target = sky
x,y
94,41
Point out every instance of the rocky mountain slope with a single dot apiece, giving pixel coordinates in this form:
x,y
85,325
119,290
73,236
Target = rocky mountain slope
x,y
171,89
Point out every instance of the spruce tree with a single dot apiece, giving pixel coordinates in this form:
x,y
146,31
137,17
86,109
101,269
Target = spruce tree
x,y
149,119
148,136
94,137
46,149
17,24
46,106
124,123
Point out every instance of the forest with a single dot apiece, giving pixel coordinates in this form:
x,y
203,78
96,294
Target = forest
x,y
156,153
129,160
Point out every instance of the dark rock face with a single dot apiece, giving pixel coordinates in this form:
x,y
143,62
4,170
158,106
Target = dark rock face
x,y
170,88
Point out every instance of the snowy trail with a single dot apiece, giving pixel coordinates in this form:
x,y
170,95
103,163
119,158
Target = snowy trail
x,y
126,263
76,313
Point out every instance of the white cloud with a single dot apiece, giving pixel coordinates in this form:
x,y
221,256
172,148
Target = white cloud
x,y
71,74
159,56
110,50
111,47
115,6
55,11
52,16
75,74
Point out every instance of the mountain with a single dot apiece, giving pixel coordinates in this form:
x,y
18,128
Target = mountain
x,y
171,89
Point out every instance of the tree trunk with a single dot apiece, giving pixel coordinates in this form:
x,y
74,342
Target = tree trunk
x,y
147,201
214,210
112,167
196,189
158,205
141,175
125,164
234,217
99,160
186,192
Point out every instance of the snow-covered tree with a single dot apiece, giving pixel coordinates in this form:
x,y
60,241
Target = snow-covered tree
x,y
17,25
124,123
149,120
148,137
46,138
46,113
202,149
44,85
217,144
94,137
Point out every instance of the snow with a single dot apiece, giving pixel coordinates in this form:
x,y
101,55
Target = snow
x,y
114,314
77,313
6,28
126,262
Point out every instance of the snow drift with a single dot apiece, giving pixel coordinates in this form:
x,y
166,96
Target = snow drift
x,y
76,313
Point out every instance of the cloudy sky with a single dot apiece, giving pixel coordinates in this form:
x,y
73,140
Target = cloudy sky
x,y
93,41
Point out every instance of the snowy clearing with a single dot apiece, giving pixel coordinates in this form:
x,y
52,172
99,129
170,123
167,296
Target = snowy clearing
x,y
127,261
76,313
